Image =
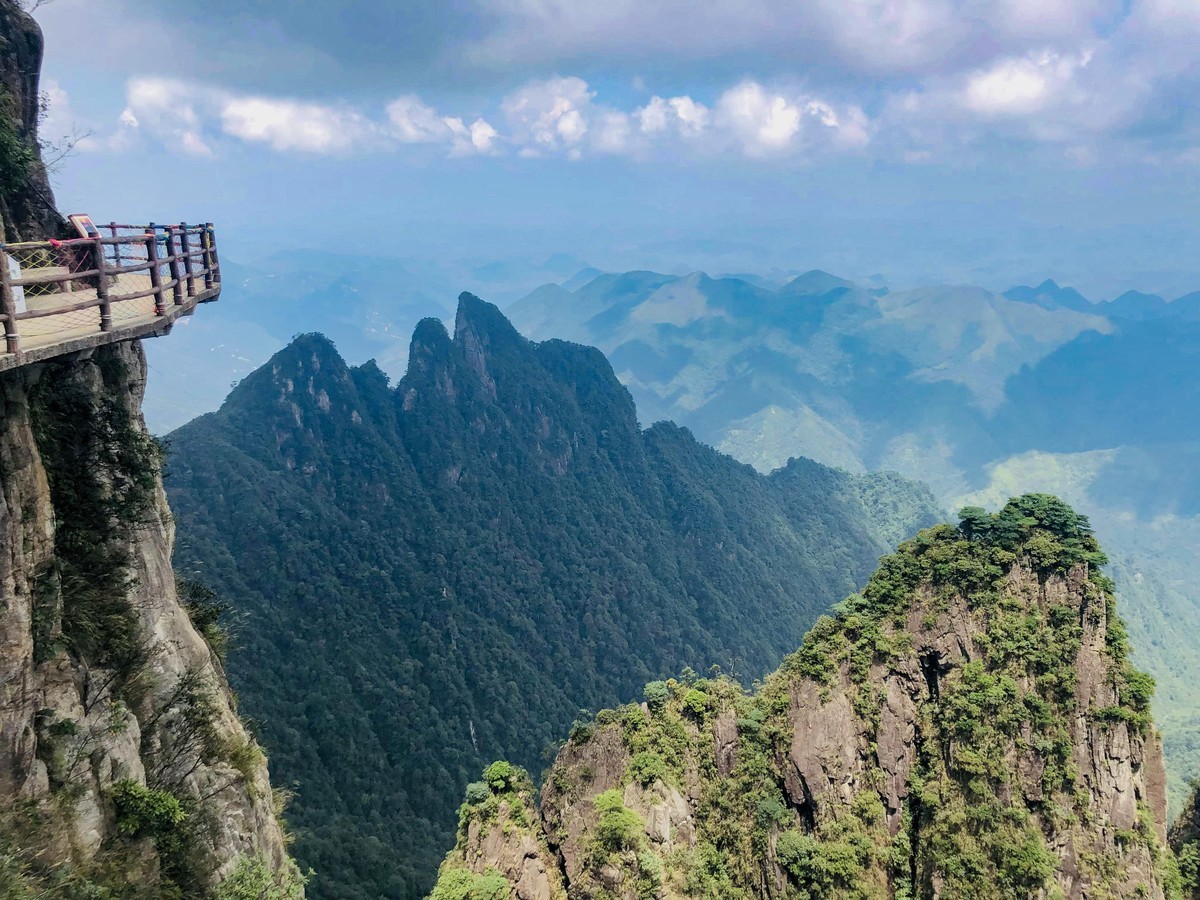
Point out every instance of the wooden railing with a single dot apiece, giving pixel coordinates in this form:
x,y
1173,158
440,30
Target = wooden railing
x,y
87,282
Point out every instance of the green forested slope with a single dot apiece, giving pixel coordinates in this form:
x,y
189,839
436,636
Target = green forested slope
x,y
444,572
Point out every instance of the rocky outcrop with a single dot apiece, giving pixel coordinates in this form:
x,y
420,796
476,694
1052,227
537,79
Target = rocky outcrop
x,y
500,846
969,725
110,695
123,765
27,210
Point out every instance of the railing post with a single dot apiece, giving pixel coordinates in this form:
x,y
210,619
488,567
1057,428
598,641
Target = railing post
x,y
206,243
212,244
186,249
160,307
112,226
102,286
12,340
177,282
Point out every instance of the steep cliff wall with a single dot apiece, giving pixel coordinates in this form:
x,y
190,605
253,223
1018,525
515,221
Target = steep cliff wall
x,y
967,726
27,211
122,760
124,769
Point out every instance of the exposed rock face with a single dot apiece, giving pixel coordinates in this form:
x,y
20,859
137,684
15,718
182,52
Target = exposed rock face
x,y
27,210
123,764
104,679
500,846
967,726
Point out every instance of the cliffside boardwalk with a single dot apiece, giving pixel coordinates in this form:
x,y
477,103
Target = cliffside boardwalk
x,y
59,297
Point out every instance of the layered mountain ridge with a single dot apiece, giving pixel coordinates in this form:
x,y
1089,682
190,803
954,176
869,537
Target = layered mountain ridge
x,y
982,395
967,725
446,570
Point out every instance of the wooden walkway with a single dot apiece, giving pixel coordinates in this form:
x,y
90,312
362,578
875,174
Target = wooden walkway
x,y
60,297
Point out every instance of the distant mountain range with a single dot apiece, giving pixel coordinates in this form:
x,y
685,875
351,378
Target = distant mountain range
x,y
982,395
978,393
369,306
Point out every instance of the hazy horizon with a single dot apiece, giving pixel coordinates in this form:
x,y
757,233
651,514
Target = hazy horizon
x,y
926,140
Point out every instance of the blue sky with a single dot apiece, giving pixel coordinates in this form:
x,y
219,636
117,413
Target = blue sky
x,y
928,140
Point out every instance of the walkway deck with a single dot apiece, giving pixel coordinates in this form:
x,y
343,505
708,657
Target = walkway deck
x,y
61,297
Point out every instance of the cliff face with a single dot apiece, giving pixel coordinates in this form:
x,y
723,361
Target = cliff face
x,y
124,769
122,760
27,210
968,725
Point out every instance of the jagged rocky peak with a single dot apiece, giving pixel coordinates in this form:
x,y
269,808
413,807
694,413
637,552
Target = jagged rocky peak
x,y
967,725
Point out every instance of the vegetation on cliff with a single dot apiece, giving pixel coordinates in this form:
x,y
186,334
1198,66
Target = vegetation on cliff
x,y
967,724
119,745
444,571
1185,841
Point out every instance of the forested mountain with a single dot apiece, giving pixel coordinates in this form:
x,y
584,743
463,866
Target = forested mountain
x,y
969,725
981,395
445,571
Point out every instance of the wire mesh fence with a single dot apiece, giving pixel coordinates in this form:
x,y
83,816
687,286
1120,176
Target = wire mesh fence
x,y
54,290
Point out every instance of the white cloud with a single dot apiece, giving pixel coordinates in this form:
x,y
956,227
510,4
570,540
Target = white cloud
x,y
59,117
197,119
763,123
652,117
693,117
415,123
286,125
612,132
680,114
767,123
549,115
167,109
1021,86
412,122
479,137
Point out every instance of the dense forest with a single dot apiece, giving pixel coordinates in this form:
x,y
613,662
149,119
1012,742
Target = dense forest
x,y
428,576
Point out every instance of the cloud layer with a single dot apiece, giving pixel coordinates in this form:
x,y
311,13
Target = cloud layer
x,y
902,80
549,117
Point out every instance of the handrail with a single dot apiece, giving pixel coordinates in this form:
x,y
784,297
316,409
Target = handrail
x,y
84,271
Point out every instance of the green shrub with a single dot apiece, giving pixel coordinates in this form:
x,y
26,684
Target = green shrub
x,y
646,768
821,867
253,879
500,776
16,155
1187,858
696,703
478,792
619,828
650,875
205,608
459,884
657,694
143,811
770,811
1139,689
